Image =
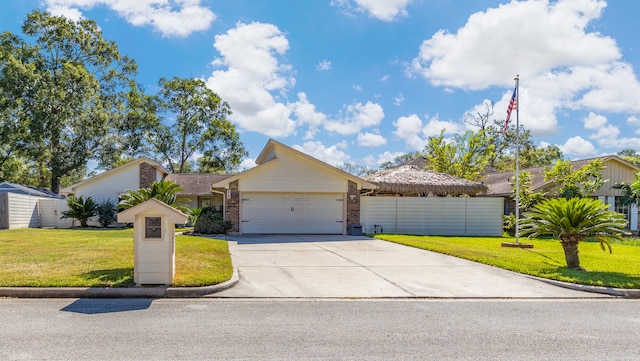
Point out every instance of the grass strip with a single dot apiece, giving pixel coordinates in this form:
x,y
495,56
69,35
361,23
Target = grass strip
x,y
619,269
100,258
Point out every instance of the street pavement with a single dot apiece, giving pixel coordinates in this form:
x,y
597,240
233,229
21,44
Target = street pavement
x,y
319,329
294,266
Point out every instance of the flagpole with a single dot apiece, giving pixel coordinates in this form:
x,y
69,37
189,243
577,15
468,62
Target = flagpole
x,y
517,79
515,103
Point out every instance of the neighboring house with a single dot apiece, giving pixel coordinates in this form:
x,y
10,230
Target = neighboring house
x,y
197,189
110,185
21,206
291,192
616,170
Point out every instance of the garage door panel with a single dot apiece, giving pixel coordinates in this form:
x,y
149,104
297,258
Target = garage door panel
x,y
292,213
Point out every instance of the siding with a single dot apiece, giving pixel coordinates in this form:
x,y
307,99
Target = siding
x,y
615,172
289,173
481,216
24,211
111,186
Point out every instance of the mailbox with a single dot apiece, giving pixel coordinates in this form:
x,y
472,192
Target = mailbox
x,y
154,250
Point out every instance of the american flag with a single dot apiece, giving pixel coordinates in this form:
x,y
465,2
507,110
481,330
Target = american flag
x,y
513,104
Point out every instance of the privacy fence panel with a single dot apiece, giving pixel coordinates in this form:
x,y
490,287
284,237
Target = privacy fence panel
x,y
477,216
51,213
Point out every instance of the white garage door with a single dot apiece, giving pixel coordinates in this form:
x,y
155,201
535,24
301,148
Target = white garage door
x,y
281,213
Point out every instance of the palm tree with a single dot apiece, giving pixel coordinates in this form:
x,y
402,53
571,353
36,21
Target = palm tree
x,y
571,221
164,191
80,209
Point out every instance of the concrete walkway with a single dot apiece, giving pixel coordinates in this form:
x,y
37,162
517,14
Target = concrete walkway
x,y
343,266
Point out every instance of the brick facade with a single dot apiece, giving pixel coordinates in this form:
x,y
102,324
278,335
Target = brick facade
x,y
147,175
353,204
232,208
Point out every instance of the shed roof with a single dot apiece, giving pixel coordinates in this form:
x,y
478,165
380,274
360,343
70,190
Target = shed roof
x,y
413,179
7,187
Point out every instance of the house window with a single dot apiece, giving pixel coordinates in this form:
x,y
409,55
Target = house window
x,y
152,227
622,208
205,202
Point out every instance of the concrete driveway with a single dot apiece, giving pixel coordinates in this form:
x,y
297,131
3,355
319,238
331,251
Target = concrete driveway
x,y
344,266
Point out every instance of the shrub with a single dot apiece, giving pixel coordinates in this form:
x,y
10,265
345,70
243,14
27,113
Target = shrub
x,y
210,222
80,209
509,224
194,213
106,212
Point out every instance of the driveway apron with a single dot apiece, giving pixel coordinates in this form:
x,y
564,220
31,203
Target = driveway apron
x,y
362,267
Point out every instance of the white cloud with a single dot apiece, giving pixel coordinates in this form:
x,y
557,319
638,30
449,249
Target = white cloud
x,y
492,44
594,121
385,10
407,129
562,64
355,118
387,156
411,128
249,53
324,65
385,78
171,18
633,120
397,101
606,134
331,155
247,164
371,140
577,146
306,114
435,126
357,87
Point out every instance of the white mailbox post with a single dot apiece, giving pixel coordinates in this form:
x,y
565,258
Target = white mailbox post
x,y
154,241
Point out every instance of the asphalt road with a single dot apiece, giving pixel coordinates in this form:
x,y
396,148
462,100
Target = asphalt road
x,y
312,329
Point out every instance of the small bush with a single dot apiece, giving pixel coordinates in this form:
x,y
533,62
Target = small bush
x,y
106,212
210,222
509,224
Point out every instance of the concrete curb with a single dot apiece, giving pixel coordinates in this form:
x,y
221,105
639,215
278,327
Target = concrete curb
x,y
617,292
137,292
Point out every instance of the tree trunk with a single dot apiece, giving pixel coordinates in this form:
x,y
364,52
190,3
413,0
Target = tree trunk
x,y
570,245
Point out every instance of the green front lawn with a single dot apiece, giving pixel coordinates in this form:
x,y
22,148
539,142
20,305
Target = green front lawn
x,y
619,269
100,258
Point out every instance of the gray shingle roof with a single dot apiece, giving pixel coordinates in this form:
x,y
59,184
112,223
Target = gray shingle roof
x,y
196,184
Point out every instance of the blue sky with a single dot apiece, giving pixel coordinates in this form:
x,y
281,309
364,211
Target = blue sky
x,y
363,81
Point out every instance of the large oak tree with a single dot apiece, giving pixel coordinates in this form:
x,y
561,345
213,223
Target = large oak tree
x,y
63,92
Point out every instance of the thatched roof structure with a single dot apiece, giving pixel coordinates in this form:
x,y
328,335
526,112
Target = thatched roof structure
x,y
410,179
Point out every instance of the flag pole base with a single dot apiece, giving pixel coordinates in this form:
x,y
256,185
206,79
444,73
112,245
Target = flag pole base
x,y
516,245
